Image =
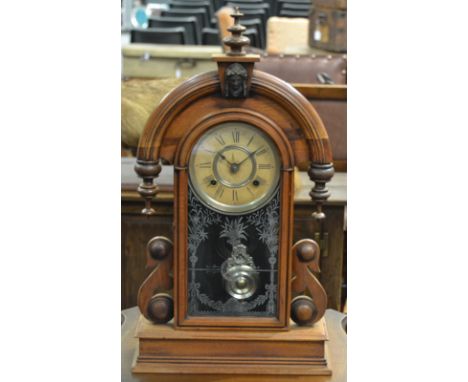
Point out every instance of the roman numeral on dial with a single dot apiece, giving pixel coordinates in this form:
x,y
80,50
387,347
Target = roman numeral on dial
x,y
265,166
236,136
219,192
235,197
220,140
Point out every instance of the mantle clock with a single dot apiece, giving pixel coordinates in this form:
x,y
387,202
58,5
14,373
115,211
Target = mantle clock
x,y
230,292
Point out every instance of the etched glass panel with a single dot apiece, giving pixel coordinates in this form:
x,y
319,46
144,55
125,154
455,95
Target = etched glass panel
x,y
233,261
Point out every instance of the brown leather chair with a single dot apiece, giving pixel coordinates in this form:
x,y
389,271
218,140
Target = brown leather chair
x,y
312,69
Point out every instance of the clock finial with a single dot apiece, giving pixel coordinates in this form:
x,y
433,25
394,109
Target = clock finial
x,y
236,41
235,68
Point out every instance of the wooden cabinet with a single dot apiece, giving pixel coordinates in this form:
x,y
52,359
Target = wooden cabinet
x,y
138,229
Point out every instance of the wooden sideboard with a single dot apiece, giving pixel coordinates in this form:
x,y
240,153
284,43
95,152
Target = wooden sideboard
x,y
138,229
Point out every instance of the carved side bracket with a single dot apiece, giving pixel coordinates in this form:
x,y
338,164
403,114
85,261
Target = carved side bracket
x,y
309,297
154,300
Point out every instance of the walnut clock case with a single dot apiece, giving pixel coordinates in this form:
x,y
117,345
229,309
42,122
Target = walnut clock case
x,y
223,292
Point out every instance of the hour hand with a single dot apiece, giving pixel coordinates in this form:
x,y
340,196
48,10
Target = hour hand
x,y
223,157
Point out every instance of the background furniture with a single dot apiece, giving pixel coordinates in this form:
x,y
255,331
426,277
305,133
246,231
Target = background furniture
x,y
210,36
293,13
176,35
189,23
199,13
284,26
299,69
287,36
328,25
167,61
336,346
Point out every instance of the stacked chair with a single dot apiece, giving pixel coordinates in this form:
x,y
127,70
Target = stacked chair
x,y
176,35
195,22
293,8
189,23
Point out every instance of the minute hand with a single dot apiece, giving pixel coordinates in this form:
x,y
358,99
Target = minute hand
x,y
248,156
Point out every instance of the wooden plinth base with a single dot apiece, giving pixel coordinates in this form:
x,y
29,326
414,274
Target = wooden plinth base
x,y
299,351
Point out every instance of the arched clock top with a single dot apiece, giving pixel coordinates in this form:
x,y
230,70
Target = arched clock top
x,y
200,98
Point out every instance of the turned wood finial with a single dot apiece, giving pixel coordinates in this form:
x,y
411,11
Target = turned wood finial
x,y
320,174
161,308
148,170
235,68
236,41
159,248
303,310
307,250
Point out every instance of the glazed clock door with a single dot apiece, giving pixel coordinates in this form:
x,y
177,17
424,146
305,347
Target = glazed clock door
x,y
233,223
234,187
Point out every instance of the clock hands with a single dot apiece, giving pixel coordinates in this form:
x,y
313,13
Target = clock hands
x,y
223,157
233,166
248,156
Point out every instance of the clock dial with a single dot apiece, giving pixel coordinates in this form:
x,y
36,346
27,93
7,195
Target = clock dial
x,y
234,168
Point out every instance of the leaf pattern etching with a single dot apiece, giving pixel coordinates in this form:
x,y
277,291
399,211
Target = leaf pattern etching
x,y
233,229
266,222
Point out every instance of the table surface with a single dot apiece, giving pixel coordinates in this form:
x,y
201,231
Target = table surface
x,y
336,357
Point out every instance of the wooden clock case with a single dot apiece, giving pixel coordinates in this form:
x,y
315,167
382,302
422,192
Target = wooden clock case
x,y
245,345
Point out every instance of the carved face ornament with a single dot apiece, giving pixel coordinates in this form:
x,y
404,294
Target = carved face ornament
x,y
236,81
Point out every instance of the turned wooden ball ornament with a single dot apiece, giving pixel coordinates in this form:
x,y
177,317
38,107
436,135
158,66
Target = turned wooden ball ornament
x,y
303,310
318,216
307,251
161,308
159,247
